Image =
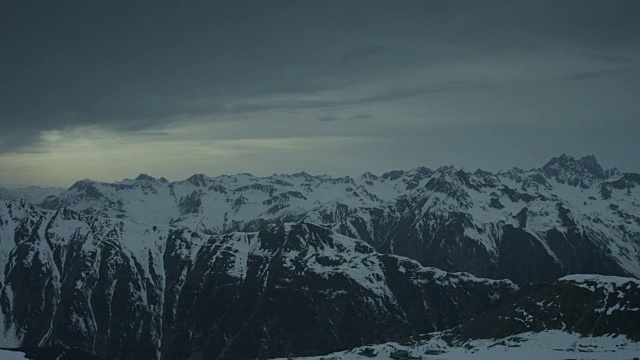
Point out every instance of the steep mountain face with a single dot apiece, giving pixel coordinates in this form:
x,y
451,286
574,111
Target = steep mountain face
x,y
570,216
593,305
122,289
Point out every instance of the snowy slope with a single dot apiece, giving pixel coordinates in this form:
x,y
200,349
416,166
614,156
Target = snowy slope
x,y
11,355
45,354
549,345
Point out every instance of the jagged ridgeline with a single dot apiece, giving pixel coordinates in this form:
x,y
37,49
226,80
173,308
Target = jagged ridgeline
x,y
243,267
570,216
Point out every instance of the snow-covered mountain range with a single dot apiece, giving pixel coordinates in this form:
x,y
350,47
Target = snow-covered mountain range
x,y
570,216
246,267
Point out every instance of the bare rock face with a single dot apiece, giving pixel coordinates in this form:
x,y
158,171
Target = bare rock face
x,y
593,305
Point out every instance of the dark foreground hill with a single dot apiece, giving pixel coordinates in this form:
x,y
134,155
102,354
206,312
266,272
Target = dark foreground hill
x,y
591,305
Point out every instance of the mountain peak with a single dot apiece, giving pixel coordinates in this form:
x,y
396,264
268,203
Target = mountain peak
x,y
145,177
566,169
567,161
87,187
591,164
368,176
446,168
198,179
302,174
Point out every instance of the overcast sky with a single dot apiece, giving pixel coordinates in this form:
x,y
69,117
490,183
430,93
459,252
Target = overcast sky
x,y
109,89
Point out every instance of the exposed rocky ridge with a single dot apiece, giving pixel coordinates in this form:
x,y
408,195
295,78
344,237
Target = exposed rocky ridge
x,y
126,290
570,216
592,305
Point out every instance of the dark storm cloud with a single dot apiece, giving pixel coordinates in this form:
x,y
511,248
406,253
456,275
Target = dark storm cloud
x,y
133,66
11,140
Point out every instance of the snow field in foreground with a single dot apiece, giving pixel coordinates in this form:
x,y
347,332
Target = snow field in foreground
x,y
11,355
548,345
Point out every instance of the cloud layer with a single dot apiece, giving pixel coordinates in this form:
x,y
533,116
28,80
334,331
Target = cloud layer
x,y
434,81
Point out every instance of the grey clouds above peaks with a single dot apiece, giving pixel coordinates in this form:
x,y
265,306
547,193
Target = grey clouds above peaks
x,y
448,79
